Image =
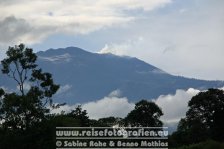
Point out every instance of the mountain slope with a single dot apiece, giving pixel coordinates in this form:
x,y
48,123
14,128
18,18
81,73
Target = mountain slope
x,y
86,76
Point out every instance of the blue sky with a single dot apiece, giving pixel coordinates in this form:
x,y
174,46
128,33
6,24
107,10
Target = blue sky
x,y
182,37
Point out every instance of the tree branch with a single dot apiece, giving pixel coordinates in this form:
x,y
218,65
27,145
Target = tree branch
x,y
14,77
20,77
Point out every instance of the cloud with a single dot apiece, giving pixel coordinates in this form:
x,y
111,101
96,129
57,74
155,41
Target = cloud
x,y
64,88
183,38
109,106
115,93
6,89
122,49
175,106
26,86
18,30
186,39
58,58
2,52
113,105
65,108
12,29
32,21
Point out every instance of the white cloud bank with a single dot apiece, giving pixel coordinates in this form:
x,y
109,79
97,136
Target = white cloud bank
x,y
108,106
186,40
113,105
58,58
174,106
31,21
64,88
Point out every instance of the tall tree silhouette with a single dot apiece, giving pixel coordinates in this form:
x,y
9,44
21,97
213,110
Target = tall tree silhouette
x,y
208,109
21,110
145,114
204,119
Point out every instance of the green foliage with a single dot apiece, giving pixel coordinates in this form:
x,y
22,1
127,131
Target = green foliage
x,y
204,119
107,122
17,64
207,108
25,109
80,115
40,136
145,114
111,121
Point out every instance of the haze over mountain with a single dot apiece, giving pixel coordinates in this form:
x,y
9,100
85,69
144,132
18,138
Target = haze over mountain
x,y
86,76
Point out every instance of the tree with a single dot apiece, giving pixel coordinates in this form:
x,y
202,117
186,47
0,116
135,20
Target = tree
x,y
208,109
204,119
80,115
21,110
145,114
110,121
